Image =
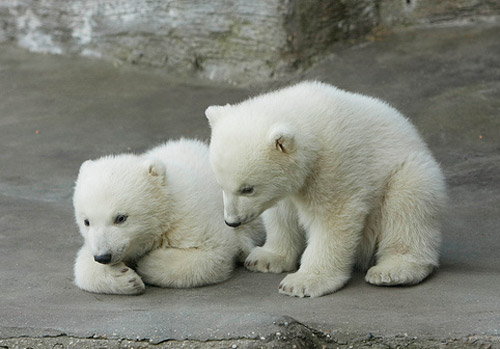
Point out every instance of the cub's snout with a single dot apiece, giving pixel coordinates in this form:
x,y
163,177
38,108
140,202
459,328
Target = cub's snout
x,y
233,224
103,258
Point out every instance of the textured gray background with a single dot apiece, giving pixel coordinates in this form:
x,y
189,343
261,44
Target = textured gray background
x,y
239,41
57,111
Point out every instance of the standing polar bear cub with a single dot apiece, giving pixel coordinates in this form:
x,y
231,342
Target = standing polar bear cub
x,y
343,176
159,213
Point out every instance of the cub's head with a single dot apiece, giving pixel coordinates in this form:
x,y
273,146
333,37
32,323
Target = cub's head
x,y
116,201
255,162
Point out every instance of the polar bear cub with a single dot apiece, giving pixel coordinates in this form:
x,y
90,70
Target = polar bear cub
x,y
342,179
154,218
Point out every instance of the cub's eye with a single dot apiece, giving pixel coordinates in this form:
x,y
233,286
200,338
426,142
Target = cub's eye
x,y
246,191
86,222
120,219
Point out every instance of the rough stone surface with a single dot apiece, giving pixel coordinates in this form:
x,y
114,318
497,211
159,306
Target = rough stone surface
x,y
297,337
408,12
232,40
216,39
239,41
56,112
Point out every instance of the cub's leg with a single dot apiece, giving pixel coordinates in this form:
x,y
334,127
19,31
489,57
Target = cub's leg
x,y
284,242
185,267
409,240
99,278
329,256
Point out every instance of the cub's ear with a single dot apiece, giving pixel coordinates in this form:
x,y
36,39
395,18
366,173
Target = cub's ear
x,y
156,169
282,138
214,113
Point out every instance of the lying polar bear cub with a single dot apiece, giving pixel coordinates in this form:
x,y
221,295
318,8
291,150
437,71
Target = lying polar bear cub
x,y
160,213
342,173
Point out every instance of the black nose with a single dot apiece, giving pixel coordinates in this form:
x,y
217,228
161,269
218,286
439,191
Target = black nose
x,y
234,225
103,259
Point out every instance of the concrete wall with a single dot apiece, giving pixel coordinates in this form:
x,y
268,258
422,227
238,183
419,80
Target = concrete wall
x,y
408,12
231,40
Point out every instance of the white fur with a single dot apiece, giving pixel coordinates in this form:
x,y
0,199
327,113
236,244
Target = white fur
x,y
174,235
344,174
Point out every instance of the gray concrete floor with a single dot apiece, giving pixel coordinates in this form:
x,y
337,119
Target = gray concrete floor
x,y
56,112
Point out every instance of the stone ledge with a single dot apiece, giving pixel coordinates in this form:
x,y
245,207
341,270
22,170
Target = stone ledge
x,y
236,41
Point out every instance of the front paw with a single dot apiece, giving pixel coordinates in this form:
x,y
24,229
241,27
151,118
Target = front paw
x,y
302,284
114,279
266,261
126,281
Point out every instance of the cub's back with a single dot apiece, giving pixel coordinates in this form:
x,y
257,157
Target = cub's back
x,y
189,175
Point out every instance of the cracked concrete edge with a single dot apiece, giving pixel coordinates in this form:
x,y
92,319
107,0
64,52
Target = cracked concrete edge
x,y
288,333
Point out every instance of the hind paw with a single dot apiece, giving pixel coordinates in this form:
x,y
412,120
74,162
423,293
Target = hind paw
x,y
388,274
